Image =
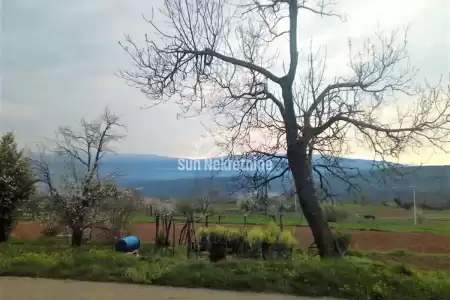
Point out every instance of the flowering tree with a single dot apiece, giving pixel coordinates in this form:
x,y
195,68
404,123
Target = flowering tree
x,y
117,210
71,174
16,182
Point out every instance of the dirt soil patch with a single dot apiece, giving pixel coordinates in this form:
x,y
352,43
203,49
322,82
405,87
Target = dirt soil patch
x,y
12,288
362,240
27,229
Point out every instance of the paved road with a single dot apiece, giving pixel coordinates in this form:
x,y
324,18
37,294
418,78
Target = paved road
x,y
12,288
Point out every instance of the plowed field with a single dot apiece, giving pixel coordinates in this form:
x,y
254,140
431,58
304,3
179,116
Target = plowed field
x,y
362,240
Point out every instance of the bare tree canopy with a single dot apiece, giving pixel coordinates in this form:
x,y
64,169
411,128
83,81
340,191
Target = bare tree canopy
x,y
223,56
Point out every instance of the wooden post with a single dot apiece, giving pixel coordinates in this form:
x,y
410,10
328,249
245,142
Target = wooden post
x,y
245,221
219,218
281,222
206,221
173,237
195,242
157,228
189,238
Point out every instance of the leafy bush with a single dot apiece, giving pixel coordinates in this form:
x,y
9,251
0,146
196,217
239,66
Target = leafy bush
x,y
353,278
220,241
258,242
335,214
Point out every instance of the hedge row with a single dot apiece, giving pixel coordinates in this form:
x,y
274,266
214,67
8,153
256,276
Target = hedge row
x,y
352,278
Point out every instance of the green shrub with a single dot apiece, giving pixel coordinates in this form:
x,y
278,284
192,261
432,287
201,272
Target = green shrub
x,y
353,278
270,242
258,242
220,241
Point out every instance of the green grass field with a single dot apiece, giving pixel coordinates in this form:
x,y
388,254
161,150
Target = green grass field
x,y
387,219
291,221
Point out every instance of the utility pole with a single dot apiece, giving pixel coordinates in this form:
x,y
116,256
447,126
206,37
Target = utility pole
x,y
414,202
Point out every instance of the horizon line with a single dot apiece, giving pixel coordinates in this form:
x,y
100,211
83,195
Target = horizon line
x,y
215,157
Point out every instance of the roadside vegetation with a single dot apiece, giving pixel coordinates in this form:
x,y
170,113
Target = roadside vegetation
x,y
349,278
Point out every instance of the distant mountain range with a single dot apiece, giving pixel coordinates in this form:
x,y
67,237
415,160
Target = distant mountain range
x,y
153,167
165,177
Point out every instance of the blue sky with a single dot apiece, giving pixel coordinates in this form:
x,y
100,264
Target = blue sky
x,y
59,58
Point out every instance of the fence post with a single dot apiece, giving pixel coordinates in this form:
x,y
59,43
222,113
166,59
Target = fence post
x,y
157,229
189,240
173,236
194,221
281,222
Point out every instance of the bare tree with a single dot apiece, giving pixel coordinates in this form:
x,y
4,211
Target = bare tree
x,y
218,56
255,183
204,195
71,174
208,194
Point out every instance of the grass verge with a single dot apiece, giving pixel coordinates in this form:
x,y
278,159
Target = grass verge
x,y
352,278
398,253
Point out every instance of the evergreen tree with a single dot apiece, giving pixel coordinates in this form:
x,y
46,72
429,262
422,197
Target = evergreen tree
x,y
16,182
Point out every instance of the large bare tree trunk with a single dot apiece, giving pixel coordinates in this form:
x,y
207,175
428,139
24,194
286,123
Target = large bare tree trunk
x,y
4,230
77,236
300,165
301,171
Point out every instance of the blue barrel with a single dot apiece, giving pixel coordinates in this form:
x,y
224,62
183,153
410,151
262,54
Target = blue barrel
x,y
128,244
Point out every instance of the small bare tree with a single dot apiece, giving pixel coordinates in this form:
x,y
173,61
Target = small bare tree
x,y
211,54
255,181
71,173
204,195
207,194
